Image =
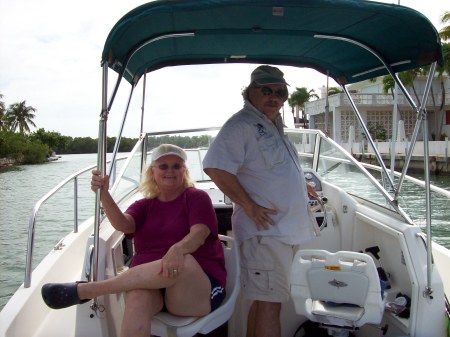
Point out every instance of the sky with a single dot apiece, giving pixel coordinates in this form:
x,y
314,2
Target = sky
x,y
50,58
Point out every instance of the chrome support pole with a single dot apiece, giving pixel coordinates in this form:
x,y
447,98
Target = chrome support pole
x,y
144,85
421,115
141,135
75,205
327,109
369,138
405,93
101,165
394,134
379,57
144,152
30,249
428,290
119,138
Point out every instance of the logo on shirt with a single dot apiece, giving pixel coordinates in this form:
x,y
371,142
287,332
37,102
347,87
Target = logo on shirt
x,y
261,129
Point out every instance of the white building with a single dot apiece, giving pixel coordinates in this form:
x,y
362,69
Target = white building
x,y
377,108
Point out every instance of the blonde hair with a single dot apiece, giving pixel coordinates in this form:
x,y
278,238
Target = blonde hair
x,y
150,189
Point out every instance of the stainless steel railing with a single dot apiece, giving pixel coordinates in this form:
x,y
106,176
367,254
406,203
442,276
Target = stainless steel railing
x,y
36,208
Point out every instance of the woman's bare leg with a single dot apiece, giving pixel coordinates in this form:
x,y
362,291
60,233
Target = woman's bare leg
x,y
191,294
190,286
144,276
140,307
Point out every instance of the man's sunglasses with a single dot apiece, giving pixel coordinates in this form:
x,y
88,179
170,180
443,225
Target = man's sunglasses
x,y
280,93
165,167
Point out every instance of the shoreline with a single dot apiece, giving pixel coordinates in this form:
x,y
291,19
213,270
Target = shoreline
x,y
439,165
7,162
10,162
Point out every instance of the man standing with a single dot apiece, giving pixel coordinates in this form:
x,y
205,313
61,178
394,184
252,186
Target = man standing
x,y
255,165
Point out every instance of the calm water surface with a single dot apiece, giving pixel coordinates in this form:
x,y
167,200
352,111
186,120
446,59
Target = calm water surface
x,y
22,187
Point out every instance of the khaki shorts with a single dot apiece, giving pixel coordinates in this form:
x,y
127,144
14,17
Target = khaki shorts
x,y
266,269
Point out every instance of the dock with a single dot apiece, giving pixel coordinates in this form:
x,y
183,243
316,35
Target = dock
x,y
438,153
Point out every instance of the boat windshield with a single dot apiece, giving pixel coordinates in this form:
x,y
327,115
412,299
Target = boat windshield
x,y
335,165
194,142
316,152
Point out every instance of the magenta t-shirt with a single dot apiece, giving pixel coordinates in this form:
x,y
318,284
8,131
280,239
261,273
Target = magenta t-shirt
x,y
160,224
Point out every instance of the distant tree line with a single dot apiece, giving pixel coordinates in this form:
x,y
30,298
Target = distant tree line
x,y
185,142
37,146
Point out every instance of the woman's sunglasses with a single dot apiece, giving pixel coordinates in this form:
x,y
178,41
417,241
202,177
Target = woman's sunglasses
x,y
165,167
280,93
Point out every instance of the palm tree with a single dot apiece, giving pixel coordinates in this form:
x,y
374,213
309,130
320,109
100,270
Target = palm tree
x,y
440,70
407,78
446,54
20,116
3,124
334,90
444,33
298,99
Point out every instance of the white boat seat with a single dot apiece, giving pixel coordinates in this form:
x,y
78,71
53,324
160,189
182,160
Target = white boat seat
x,y
168,325
340,289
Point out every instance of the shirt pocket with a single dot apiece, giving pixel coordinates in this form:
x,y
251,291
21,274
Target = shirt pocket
x,y
272,150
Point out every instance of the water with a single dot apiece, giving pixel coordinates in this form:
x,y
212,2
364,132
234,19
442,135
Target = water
x,y
21,187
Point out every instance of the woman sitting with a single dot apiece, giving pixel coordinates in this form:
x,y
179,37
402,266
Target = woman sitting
x,y
178,264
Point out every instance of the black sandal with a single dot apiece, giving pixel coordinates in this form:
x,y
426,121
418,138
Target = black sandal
x,y
61,295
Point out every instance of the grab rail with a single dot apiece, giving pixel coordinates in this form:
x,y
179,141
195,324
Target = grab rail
x,y
34,213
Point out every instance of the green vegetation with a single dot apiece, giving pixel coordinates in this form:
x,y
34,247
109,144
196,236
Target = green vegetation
x,y
185,142
444,33
22,148
18,143
297,101
377,131
36,147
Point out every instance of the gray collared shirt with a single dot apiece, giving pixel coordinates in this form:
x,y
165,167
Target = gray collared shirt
x,y
266,164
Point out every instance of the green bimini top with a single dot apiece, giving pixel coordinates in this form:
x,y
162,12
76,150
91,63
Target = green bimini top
x,y
331,36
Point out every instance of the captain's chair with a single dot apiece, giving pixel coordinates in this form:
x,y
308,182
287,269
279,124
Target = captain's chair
x,y
168,325
336,289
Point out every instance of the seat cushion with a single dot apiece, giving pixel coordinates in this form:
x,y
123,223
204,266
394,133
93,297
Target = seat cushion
x,y
342,311
172,320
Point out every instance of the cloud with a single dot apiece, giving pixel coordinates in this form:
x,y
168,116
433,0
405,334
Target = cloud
x,y
51,58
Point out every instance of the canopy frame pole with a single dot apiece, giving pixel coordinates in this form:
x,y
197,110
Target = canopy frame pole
x,y
101,166
372,143
379,57
144,85
327,108
141,134
119,138
355,109
421,115
394,134
428,292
